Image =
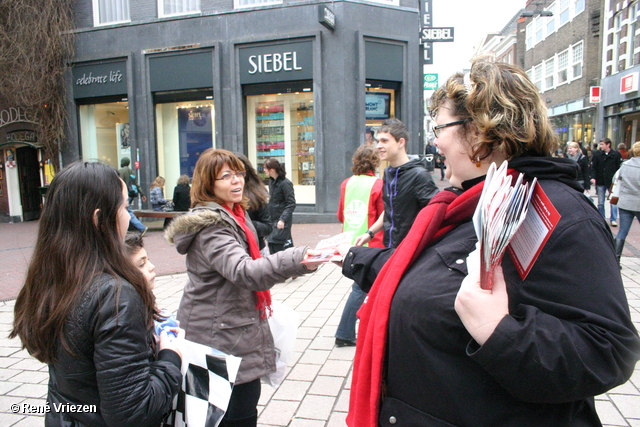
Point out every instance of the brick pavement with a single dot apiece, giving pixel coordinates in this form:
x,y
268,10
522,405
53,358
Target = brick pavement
x,y
315,391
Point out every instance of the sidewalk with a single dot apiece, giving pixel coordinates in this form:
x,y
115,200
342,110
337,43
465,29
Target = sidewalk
x,y
316,389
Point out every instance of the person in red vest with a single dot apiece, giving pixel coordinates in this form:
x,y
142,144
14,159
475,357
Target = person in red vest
x,y
359,208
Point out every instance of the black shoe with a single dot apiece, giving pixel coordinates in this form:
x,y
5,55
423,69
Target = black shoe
x,y
345,343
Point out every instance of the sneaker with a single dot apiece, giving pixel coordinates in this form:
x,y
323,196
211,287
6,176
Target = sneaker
x,y
344,343
144,232
614,224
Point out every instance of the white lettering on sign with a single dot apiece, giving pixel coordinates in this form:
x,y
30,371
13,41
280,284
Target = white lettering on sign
x,y
274,62
14,115
113,77
437,33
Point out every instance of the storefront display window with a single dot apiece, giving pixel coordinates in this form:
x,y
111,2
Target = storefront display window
x,y
282,126
184,131
105,132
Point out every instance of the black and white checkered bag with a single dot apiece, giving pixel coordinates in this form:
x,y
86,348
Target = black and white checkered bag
x,y
208,378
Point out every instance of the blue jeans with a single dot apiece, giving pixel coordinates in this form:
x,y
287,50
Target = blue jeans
x,y
347,327
601,190
626,219
135,221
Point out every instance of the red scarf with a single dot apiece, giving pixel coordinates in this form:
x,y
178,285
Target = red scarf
x,y
444,213
264,297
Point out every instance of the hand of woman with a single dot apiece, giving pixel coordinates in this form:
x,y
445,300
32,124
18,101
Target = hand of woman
x,y
311,253
481,310
362,239
170,342
342,250
280,225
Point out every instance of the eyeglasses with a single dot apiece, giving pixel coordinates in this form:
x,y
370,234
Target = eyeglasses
x,y
229,175
436,129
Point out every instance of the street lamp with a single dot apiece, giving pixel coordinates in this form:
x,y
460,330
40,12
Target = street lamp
x,y
532,13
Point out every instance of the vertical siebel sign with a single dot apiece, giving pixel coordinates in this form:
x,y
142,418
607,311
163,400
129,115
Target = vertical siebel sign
x,y
426,23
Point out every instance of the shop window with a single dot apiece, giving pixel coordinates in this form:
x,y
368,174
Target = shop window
x,y
177,7
184,131
563,63
282,126
239,4
576,67
105,132
110,11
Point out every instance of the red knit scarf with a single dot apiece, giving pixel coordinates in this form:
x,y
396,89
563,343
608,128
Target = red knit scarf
x,y
264,297
445,212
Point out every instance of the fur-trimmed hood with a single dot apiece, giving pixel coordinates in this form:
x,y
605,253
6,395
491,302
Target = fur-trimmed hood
x,y
184,228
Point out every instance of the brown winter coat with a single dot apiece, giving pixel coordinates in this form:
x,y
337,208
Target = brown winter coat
x,y
218,307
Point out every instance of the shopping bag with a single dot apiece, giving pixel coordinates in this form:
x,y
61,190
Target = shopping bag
x,y
208,378
615,189
284,328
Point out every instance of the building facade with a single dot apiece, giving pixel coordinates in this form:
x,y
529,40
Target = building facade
x,y
559,46
620,106
161,81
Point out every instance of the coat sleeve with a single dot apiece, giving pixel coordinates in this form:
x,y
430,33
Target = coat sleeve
x,y
569,335
363,264
133,389
343,189
226,255
289,201
262,222
425,189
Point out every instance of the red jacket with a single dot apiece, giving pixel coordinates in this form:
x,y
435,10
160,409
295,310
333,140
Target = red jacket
x,y
376,208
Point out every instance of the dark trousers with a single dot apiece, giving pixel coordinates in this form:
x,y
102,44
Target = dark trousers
x,y
242,410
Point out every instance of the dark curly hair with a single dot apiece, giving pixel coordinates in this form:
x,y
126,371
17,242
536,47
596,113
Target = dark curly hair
x,y
365,160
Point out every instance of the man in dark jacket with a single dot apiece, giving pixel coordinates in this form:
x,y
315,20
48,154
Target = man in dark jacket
x,y
408,186
131,181
604,164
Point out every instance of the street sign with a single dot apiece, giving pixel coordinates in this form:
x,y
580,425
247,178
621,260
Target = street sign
x,y
444,34
430,81
595,95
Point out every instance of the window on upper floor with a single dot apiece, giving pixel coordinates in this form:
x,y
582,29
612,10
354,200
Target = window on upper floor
x,y
549,73
578,6
529,40
537,76
238,4
539,23
563,64
563,11
177,7
393,2
551,20
576,61
110,11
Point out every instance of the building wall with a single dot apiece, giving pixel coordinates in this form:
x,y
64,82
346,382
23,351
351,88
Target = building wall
x,y
339,73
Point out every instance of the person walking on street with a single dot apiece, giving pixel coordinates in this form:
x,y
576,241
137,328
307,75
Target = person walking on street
x,y
130,179
629,196
575,154
408,186
604,164
359,207
258,199
282,203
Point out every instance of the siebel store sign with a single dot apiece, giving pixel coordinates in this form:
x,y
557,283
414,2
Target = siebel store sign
x,y
276,63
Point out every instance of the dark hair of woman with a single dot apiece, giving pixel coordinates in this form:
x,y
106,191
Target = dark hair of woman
x,y
208,167
71,249
254,189
365,160
277,166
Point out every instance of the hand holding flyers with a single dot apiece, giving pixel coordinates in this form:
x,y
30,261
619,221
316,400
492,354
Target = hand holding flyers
x,y
327,249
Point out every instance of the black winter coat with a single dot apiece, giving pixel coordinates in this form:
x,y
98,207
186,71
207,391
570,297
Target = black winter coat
x,y
407,189
568,337
181,198
604,166
113,366
282,203
262,223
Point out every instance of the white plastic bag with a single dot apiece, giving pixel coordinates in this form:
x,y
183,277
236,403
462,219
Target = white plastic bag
x,y
284,328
